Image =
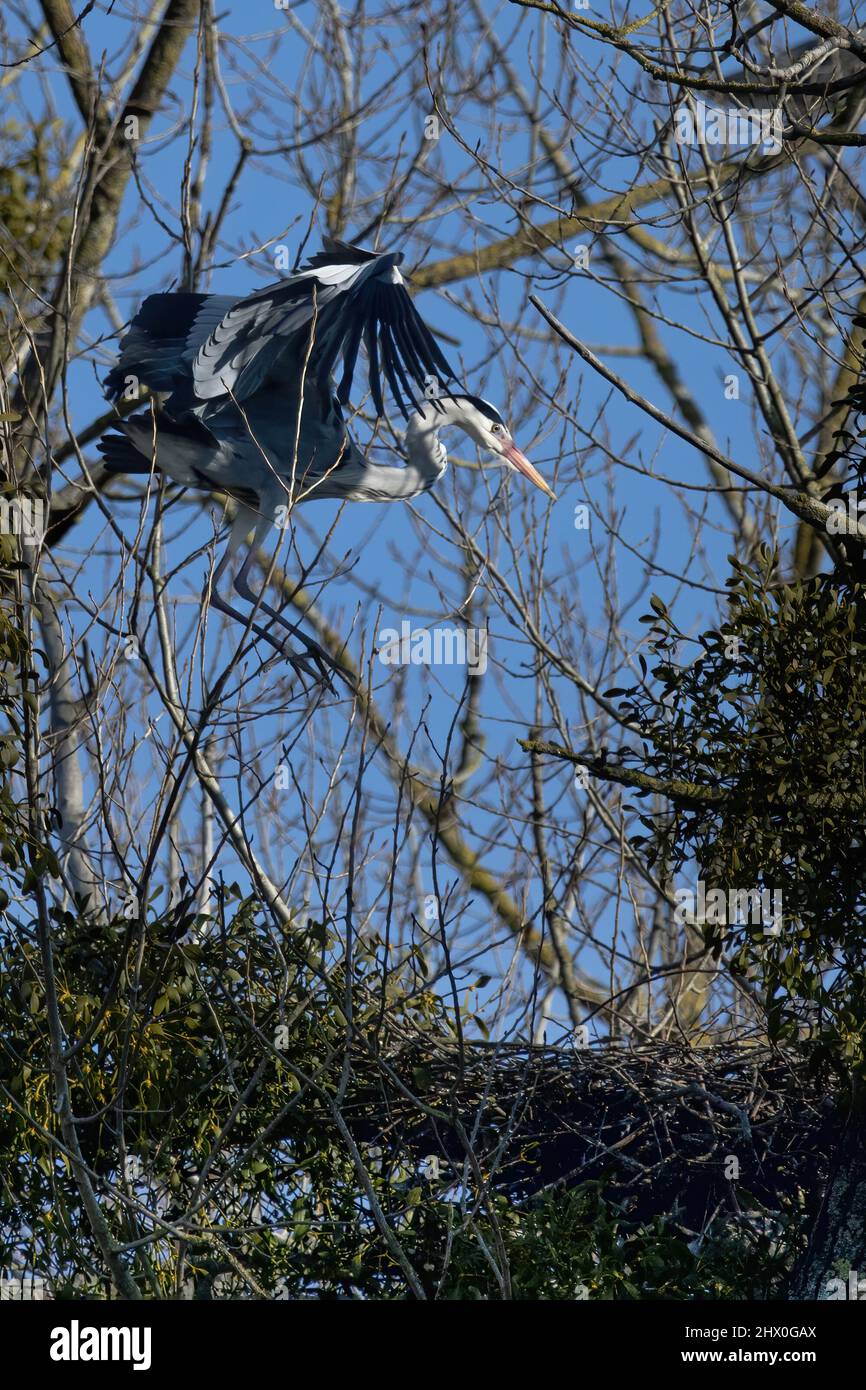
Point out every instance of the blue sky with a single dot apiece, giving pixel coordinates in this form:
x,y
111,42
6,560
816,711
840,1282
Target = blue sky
x,y
272,208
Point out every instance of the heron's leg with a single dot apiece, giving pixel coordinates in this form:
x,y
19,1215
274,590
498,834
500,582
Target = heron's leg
x,y
244,588
297,659
246,521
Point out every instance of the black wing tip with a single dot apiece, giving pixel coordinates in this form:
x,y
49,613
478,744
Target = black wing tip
x,y
399,346
169,314
120,455
337,252
113,385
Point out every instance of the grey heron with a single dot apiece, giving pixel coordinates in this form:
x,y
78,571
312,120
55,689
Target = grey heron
x,y
245,403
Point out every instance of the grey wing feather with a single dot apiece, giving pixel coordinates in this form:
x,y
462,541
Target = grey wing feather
x,y
208,351
163,339
245,346
312,318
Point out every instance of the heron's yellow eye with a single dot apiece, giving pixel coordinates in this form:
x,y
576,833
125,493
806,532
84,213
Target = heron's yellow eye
x,y
497,429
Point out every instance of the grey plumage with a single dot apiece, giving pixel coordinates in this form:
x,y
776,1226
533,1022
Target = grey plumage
x,y
245,400
829,89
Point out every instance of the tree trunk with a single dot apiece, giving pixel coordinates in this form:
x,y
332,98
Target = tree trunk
x,y
835,1260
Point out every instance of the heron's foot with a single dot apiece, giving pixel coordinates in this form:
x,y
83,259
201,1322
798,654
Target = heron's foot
x,y
316,663
306,666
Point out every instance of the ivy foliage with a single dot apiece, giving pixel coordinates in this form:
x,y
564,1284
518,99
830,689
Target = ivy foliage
x,y
212,1081
34,213
221,1080
764,721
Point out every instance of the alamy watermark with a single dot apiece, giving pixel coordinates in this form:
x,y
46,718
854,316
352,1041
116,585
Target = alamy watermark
x,y
732,907
24,1286
709,125
438,646
853,1287
23,517
77,1343
847,514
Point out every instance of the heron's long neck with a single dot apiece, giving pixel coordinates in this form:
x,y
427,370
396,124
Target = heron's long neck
x,y
425,464
425,458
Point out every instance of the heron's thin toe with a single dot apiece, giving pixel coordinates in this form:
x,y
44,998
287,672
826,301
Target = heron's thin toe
x,y
306,665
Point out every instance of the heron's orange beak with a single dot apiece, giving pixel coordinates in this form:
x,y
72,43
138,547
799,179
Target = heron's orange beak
x,y
522,464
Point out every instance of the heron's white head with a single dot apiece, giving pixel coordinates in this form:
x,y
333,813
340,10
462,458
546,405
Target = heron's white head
x,y
483,423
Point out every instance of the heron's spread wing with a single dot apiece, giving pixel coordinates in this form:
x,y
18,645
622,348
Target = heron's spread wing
x,y
243,453
163,339
209,350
